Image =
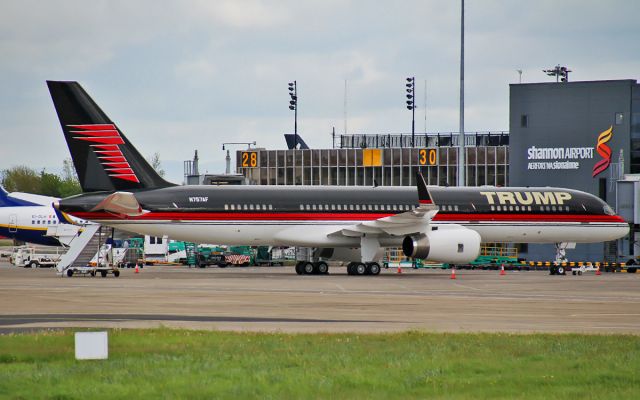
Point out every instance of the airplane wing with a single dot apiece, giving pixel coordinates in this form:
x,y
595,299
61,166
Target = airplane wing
x,y
406,223
122,203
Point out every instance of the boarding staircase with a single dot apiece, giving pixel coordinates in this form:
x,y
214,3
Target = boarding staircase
x,y
65,233
82,248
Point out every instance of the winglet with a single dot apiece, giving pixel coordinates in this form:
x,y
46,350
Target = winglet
x,y
423,192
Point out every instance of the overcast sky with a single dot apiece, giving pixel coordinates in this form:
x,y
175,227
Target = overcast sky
x,y
179,76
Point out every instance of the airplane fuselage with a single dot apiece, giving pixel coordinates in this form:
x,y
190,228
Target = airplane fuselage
x,y
308,215
29,224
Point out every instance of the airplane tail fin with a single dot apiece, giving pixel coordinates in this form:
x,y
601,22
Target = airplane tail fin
x,y
5,201
423,191
104,158
8,201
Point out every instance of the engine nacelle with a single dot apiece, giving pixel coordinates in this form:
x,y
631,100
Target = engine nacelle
x,y
454,245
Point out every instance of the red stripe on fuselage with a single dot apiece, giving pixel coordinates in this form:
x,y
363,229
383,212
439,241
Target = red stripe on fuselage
x,y
292,216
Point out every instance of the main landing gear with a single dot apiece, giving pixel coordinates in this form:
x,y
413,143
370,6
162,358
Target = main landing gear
x,y
358,268
312,268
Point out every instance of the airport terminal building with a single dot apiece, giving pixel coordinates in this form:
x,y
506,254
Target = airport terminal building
x,y
384,160
579,135
584,136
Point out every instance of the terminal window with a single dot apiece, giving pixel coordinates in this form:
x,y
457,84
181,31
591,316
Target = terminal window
x,y
619,118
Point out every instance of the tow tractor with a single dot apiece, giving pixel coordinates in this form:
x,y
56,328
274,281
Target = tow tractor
x,y
582,269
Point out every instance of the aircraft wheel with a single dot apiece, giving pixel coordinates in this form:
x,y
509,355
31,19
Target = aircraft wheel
x,y
69,273
373,268
103,274
299,270
116,273
360,269
321,268
351,269
308,268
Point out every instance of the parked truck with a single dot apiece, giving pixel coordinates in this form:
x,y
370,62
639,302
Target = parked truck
x,y
29,257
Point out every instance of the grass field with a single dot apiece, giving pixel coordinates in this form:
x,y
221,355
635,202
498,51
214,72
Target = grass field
x,y
171,364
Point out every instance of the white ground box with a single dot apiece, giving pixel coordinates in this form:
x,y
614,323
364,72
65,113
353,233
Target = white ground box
x,y
92,346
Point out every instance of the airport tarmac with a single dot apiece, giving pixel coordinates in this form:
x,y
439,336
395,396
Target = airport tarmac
x,y
276,299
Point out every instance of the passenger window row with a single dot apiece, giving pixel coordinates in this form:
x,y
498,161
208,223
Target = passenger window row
x,y
41,222
325,207
248,207
356,207
528,208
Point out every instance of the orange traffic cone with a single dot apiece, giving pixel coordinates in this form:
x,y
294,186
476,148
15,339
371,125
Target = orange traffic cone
x,y
598,271
502,272
399,267
137,269
453,273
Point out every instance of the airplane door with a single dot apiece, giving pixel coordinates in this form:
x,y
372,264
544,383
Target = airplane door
x,y
13,223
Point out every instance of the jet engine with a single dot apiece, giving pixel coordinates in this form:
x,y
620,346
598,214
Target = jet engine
x,y
454,245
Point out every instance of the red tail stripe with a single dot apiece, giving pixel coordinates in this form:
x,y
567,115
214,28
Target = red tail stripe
x,y
116,165
109,153
113,159
97,133
120,171
109,147
92,127
127,177
104,140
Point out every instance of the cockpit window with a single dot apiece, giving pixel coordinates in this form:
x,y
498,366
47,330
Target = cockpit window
x,y
608,210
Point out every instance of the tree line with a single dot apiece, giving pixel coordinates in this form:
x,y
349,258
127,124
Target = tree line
x,y
26,179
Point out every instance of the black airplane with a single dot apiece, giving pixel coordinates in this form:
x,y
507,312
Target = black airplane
x,y
347,223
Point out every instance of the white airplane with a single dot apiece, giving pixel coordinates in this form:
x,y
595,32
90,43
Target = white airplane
x,y
31,218
347,223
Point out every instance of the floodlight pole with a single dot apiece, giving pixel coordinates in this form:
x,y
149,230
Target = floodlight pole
x,y
295,115
413,114
411,104
293,105
461,180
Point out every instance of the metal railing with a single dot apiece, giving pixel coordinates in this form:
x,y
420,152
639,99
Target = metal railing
x,y
421,140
